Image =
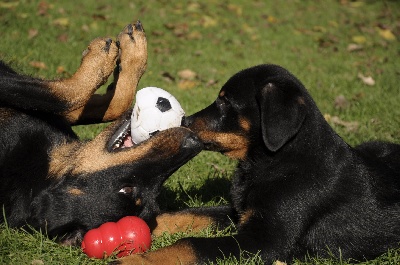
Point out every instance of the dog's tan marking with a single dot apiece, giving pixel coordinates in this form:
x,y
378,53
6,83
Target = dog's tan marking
x,y
62,159
138,202
180,222
83,158
75,191
199,125
245,216
222,93
234,145
244,124
231,144
301,101
179,253
6,114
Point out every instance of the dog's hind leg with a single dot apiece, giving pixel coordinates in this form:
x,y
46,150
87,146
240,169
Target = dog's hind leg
x,y
98,62
74,97
120,94
60,96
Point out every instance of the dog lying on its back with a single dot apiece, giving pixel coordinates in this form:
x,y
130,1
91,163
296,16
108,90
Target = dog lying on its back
x,y
298,189
49,179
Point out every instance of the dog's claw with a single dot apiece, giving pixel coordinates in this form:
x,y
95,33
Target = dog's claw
x,y
139,26
130,31
108,44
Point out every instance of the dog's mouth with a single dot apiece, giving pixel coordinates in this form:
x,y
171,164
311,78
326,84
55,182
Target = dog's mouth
x,y
121,138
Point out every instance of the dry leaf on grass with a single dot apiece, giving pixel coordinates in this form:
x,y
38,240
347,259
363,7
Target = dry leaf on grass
x,y
237,9
9,5
32,33
207,22
341,102
359,39
62,22
43,8
212,82
63,37
37,262
60,69
353,47
187,74
187,84
368,80
351,126
168,77
387,34
38,64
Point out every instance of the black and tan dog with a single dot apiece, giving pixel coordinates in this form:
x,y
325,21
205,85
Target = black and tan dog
x,y
49,179
298,190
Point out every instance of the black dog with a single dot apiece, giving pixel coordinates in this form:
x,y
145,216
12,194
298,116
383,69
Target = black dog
x,y
49,179
298,190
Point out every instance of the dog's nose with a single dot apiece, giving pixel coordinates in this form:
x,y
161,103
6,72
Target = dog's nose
x,y
187,121
192,142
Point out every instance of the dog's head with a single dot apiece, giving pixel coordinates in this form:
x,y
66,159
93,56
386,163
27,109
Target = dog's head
x,y
103,180
260,107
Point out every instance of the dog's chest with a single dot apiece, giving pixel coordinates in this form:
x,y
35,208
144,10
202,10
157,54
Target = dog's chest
x,y
241,188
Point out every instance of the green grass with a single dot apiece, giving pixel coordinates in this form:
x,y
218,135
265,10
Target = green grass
x,y
216,39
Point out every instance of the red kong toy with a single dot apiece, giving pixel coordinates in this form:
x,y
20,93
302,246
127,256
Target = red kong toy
x,y
129,235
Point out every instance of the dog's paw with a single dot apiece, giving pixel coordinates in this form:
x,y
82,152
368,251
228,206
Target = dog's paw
x,y
133,46
100,58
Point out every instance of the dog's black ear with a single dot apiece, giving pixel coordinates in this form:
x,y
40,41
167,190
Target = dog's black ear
x,y
282,113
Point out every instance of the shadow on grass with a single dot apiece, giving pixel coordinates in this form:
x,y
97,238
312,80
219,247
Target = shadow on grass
x,y
214,189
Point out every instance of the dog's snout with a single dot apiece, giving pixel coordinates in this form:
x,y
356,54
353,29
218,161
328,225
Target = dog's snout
x,y
192,142
187,121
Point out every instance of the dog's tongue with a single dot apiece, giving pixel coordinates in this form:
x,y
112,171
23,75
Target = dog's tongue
x,y
128,141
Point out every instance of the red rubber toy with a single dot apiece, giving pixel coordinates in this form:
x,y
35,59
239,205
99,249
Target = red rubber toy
x,y
127,236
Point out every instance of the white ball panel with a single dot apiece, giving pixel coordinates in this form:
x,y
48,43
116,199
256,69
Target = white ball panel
x,y
147,118
139,135
146,99
170,119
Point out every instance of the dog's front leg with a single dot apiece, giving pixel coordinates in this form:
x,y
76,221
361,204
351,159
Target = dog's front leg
x,y
195,251
194,220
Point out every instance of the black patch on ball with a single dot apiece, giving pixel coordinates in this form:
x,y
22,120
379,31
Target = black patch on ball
x,y
163,104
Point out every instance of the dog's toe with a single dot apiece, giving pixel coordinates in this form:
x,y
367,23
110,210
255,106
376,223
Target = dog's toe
x,y
139,26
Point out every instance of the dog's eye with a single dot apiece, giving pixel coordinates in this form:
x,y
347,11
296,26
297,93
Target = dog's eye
x,y
127,190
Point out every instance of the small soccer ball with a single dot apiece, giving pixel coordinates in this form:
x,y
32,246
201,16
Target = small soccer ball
x,y
155,110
